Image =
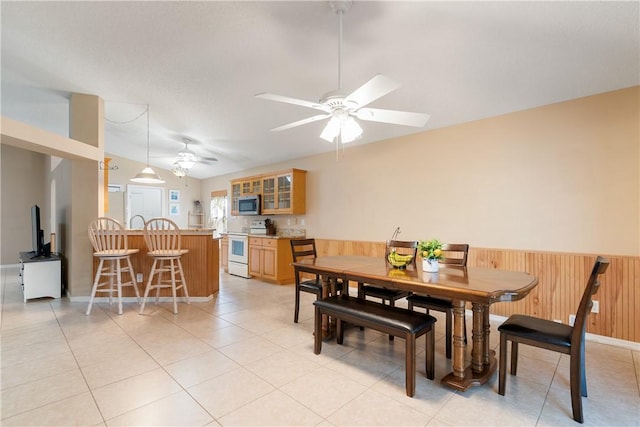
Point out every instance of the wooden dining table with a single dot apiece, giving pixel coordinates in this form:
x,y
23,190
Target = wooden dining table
x,y
479,286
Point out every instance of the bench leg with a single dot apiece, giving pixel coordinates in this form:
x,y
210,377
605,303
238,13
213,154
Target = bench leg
x,y
317,333
339,331
410,364
430,354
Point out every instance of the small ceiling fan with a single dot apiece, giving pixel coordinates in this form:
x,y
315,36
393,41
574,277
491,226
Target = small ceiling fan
x,y
187,158
342,109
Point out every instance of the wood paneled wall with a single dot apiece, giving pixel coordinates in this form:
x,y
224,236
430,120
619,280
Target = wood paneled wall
x,y
561,281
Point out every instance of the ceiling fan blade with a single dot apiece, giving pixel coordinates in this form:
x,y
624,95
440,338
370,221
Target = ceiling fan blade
x,y
392,116
301,122
295,101
377,87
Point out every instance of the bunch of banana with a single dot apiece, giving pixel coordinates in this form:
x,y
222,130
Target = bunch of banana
x,y
397,260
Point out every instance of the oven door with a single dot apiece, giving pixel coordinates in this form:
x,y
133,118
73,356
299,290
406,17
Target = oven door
x,y
238,249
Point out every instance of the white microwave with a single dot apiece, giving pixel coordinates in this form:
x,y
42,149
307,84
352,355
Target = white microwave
x,y
249,205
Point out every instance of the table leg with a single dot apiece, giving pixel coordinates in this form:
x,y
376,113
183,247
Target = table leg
x,y
483,361
477,351
458,338
326,325
487,330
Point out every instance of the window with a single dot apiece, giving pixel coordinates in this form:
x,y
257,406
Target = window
x,y
218,211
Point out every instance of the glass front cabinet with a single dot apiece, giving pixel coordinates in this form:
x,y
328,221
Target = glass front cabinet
x,y
283,192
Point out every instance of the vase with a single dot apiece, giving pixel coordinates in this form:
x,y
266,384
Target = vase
x,y
430,265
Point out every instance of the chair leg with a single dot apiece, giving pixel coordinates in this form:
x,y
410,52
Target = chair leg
x,y
575,373
148,287
410,364
502,368
183,281
339,331
317,334
296,309
449,332
173,285
583,373
392,303
119,284
430,351
94,288
514,357
133,279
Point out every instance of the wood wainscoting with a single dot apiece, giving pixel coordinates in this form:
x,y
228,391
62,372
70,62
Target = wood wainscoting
x,y
561,281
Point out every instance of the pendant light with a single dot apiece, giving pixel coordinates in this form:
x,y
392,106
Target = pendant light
x,y
147,176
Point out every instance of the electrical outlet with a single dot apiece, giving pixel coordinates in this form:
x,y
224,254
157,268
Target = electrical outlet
x,y
139,277
572,319
595,308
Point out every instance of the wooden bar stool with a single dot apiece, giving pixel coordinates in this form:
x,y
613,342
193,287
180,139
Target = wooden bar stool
x,y
110,246
162,237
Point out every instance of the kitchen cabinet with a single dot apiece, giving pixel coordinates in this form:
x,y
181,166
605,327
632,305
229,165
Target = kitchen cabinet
x,y
284,192
251,185
270,259
224,253
236,191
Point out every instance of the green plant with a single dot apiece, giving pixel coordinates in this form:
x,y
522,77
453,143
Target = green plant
x,y
430,249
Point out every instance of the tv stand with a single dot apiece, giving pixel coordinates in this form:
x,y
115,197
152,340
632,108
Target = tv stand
x,y
40,276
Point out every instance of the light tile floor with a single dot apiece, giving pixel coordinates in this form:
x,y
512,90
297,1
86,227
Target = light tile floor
x,y
240,360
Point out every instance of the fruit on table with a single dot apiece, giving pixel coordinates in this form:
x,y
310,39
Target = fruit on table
x,y
398,260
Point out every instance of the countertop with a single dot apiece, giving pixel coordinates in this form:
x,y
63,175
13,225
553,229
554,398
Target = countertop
x,y
265,236
183,231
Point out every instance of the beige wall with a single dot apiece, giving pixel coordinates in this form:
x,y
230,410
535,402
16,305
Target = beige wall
x,y
190,188
563,177
23,184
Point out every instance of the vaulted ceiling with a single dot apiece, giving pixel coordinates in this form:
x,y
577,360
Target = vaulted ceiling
x,y
199,64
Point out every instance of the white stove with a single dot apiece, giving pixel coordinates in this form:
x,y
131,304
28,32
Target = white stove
x,y
239,254
258,226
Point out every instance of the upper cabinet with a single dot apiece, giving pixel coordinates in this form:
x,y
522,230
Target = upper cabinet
x,y
251,185
236,191
283,192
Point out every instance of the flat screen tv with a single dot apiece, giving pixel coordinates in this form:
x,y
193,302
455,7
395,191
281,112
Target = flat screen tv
x,y
37,235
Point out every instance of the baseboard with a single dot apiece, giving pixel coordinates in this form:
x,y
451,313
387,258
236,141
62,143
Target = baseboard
x,y
150,300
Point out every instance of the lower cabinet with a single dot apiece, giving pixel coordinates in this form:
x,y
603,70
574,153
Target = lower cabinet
x,y
270,259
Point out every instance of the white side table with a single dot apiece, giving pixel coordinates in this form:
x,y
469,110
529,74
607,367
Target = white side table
x,y
40,276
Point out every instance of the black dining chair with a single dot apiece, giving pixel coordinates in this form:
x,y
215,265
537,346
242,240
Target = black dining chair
x,y
301,249
453,254
554,336
390,296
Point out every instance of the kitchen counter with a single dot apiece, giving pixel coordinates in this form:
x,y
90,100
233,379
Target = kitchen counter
x,y
183,231
201,265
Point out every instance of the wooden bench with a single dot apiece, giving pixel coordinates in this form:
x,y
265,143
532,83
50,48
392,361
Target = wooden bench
x,y
394,321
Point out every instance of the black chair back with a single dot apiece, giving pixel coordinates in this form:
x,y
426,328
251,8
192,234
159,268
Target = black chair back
x,y
580,325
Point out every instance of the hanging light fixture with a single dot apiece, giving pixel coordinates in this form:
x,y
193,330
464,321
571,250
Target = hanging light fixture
x,y
147,176
179,171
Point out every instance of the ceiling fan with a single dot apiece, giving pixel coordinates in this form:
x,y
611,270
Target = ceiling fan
x,y
187,158
342,109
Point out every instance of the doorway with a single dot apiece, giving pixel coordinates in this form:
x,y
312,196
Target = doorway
x,y
143,203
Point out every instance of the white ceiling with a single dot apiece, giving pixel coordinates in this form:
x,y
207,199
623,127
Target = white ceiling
x,y
199,64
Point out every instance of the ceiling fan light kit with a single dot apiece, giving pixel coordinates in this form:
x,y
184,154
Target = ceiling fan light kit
x,y
147,176
342,110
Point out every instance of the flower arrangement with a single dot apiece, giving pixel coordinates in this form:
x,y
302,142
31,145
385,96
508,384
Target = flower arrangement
x,y
430,249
